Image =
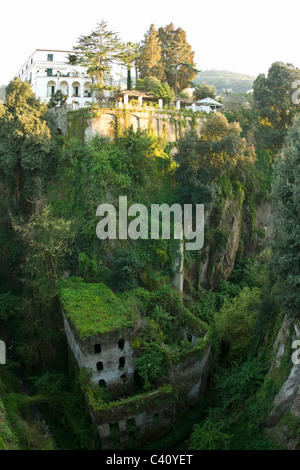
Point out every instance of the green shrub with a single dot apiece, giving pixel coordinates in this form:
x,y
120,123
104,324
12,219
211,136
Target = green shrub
x,y
211,434
234,323
51,383
154,86
126,265
151,365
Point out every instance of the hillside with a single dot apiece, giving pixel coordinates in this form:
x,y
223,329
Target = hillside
x,y
225,80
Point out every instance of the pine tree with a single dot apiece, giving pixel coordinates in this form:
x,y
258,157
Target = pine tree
x,y
128,57
98,51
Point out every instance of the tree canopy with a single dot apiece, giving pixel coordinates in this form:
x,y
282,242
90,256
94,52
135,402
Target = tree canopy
x,y
154,86
177,57
204,91
25,141
150,55
98,51
166,55
286,198
273,100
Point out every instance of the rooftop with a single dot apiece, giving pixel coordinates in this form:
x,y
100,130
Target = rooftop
x,y
93,308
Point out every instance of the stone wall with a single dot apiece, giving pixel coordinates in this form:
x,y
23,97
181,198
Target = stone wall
x,y
149,416
109,357
189,374
86,123
143,417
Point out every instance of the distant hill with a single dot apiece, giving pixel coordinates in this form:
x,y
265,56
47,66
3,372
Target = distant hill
x,y
226,81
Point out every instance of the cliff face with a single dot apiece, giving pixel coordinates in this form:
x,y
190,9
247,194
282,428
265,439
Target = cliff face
x,y
238,230
283,423
220,252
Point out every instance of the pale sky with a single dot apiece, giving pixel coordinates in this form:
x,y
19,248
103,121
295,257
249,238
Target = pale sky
x,y
239,36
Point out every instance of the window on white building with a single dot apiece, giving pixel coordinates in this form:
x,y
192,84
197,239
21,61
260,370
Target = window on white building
x,y
50,89
50,57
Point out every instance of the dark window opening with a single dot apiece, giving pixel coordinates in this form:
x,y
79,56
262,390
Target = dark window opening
x,y
189,337
97,348
156,418
49,72
123,377
121,362
50,57
138,382
99,365
102,383
121,344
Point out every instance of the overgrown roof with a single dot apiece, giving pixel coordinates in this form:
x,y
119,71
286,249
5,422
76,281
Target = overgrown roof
x,y
93,308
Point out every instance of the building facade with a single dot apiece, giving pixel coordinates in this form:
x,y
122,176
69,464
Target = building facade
x,y
49,70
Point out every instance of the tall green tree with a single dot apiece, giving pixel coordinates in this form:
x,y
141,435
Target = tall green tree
x,y
202,159
98,52
150,64
128,57
285,263
26,147
177,57
273,100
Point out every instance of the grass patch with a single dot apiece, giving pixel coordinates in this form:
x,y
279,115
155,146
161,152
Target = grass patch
x,y
93,308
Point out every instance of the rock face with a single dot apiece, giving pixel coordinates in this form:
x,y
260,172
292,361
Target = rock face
x,y
283,423
238,228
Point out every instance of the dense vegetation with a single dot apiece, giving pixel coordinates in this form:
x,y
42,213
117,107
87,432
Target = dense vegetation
x,y
163,54
51,186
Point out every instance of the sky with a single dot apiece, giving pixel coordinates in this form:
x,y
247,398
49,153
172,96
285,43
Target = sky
x,y
244,37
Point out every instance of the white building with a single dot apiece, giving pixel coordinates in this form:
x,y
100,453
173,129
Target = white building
x,y
49,71
206,105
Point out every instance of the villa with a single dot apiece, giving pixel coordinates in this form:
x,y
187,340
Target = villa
x,y
49,70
